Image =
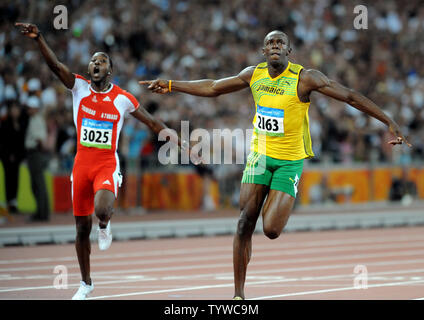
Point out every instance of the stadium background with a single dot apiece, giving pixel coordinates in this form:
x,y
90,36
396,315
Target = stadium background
x,y
213,39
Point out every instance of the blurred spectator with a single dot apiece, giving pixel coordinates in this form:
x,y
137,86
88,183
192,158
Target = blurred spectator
x,y
206,174
35,144
12,150
188,39
403,189
321,192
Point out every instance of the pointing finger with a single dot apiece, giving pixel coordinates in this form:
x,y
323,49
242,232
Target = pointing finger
x,y
402,139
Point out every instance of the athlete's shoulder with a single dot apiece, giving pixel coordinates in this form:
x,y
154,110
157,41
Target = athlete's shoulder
x,y
80,83
295,68
260,69
313,79
78,76
313,75
247,74
119,90
131,102
124,92
262,65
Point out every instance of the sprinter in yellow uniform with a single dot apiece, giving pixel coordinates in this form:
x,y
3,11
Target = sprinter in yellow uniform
x,y
281,138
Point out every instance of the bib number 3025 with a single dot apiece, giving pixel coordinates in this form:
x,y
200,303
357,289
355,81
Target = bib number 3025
x,y
97,134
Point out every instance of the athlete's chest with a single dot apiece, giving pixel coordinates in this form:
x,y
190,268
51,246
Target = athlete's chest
x,y
99,107
98,119
274,92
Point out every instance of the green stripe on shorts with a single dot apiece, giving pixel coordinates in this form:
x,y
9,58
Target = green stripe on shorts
x,y
281,175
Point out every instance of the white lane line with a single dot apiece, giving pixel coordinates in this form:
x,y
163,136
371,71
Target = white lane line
x,y
401,283
270,245
322,267
208,257
258,263
247,284
77,285
8,277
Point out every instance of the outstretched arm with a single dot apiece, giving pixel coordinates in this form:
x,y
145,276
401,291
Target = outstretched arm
x,y
144,116
58,68
315,80
156,126
205,87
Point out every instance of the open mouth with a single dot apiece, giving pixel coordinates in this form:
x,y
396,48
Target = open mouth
x,y
96,71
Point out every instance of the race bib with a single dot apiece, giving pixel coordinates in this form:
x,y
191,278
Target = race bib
x,y
270,121
97,134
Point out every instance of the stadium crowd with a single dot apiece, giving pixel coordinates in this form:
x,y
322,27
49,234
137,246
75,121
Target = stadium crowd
x,y
188,39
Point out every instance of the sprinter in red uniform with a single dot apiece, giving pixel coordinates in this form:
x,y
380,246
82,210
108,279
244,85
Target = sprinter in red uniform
x,y
99,110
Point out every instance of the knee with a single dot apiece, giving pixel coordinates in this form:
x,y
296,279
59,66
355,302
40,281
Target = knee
x,y
272,232
83,230
103,211
245,226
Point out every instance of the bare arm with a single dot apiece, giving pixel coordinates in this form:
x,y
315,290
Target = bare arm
x,y
144,116
313,80
58,68
205,87
157,126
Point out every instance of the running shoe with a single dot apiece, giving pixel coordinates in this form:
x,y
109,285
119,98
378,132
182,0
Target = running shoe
x,y
104,237
83,291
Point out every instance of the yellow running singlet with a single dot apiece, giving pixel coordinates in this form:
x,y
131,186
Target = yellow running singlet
x,y
281,123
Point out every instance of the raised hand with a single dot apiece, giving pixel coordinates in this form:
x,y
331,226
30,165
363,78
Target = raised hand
x,y
59,69
28,29
157,86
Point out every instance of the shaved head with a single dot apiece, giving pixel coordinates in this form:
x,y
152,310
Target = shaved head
x,y
276,49
276,32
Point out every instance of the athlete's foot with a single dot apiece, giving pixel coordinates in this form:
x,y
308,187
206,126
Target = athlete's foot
x,y
83,291
104,237
238,298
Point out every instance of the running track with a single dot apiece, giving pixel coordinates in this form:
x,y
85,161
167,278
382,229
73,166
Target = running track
x,y
302,265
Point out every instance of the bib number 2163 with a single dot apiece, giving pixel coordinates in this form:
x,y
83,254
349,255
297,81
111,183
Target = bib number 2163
x,y
270,120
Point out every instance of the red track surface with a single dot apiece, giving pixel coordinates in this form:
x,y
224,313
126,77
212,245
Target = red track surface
x,y
304,265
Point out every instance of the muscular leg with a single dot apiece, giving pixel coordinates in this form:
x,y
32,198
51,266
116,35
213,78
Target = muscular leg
x,y
83,246
276,212
252,197
103,206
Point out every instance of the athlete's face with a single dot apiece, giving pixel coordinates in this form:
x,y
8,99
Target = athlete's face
x,y
99,67
276,47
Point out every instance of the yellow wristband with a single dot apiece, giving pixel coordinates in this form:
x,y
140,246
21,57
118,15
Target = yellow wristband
x,y
169,85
